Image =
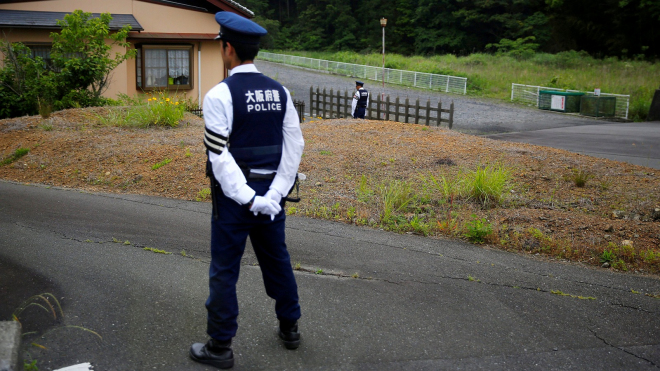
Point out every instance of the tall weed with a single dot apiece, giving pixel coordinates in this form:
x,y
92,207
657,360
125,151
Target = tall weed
x,y
487,183
395,196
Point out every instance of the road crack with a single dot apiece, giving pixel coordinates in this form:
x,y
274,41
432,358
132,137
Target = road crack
x,y
622,349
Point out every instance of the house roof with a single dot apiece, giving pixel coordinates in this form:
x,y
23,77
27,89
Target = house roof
x,y
48,20
209,6
139,36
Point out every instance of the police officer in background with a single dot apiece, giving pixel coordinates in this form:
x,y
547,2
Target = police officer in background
x,y
360,100
254,145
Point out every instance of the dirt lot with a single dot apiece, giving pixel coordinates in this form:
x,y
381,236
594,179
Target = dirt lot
x,y
351,165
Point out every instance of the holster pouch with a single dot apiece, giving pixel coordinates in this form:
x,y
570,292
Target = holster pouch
x,y
215,189
295,185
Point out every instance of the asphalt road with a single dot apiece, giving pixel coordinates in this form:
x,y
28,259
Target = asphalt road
x,y
419,303
633,142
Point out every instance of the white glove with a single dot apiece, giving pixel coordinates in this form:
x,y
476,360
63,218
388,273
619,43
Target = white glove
x,y
265,206
273,195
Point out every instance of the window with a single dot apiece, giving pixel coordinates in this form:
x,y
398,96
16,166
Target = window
x,y
164,67
43,51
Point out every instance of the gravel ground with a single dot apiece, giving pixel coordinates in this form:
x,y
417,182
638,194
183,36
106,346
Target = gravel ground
x,y
480,116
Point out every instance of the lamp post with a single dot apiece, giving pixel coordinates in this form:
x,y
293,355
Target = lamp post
x,y
383,23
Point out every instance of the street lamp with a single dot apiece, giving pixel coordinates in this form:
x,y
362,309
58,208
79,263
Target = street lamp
x,y
383,23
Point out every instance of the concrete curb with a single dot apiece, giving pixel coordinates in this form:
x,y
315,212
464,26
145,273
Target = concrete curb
x,y
10,341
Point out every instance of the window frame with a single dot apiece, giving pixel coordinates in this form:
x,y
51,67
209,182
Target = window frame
x,y
141,60
49,45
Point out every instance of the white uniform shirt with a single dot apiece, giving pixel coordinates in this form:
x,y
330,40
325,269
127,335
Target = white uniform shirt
x,y
356,98
219,117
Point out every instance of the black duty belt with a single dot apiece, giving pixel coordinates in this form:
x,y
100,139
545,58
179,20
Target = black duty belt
x,y
257,176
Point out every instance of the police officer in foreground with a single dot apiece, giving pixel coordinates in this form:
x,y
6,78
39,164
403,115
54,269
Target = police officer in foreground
x,y
254,145
360,100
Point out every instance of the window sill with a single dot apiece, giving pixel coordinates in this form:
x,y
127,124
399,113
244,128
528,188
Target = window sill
x,y
169,87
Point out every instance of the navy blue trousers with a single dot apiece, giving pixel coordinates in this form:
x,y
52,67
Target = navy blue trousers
x,y
359,112
228,237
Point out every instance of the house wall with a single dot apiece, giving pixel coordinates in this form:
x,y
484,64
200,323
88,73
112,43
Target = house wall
x,y
91,6
153,18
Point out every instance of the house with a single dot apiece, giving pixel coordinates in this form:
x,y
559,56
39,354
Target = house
x,y
174,39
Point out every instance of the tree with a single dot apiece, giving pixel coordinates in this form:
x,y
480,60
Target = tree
x,y
82,53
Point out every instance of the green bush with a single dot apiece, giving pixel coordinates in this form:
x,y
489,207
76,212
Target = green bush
x,y
477,230
521,49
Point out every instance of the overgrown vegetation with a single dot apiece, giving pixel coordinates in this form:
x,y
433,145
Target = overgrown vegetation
x,y
76,75
159,109
18,153
491,75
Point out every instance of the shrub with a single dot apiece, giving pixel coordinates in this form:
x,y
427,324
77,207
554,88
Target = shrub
x,y
477,230
520,49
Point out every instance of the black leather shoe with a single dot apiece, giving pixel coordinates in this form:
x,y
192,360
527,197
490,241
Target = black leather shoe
x,y
215,353
290,335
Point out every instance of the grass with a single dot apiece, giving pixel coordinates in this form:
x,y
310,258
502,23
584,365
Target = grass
x,y
395,196
579,177
560,293
157,251
203,194
49,304
486,184
158,110
491,76
18,153
161,164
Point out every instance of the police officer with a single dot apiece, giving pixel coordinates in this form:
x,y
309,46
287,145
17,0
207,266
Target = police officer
x,y
254,145
360,100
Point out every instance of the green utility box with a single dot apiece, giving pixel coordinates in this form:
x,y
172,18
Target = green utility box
x,y
598,106
560,101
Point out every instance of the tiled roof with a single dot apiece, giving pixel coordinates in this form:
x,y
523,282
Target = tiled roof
x,y
240,7
31,19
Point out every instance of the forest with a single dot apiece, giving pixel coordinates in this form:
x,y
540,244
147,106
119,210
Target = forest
x,y
627,29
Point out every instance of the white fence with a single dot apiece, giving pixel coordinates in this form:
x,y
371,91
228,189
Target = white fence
x,y
448,84
530,94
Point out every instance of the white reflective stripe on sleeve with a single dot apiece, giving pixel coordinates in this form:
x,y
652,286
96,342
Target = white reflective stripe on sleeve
x,y
214,142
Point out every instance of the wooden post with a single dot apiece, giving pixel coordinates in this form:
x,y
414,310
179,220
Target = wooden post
x,y
332,96
451,115
346,114
324,95
428,112
387,109
378,107
407,109
417,112
311,100
338,104
396,114
318,102
439,120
